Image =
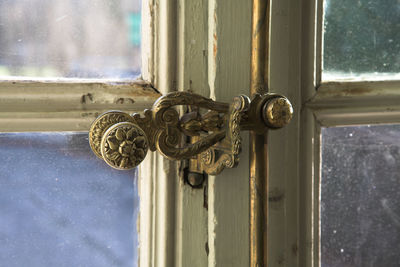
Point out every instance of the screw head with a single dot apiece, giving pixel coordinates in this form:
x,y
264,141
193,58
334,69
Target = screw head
x,y
278,112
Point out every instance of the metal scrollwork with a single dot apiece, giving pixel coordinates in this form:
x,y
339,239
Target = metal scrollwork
x,y
215,164
123,140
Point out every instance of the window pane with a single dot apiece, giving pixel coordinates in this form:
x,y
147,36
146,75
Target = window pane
x,y
70,38
62,206
361,39
360,196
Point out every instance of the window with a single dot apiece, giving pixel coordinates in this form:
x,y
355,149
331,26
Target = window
x,y
62,64
60,206
70,39
205,47
336,61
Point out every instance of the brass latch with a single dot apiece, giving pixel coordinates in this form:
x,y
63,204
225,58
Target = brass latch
x,y
123,140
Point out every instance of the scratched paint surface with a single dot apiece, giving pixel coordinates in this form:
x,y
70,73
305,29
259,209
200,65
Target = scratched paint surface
x,y
62,206
360,196
70,39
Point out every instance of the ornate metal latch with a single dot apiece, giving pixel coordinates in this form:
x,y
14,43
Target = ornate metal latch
x,y
123,140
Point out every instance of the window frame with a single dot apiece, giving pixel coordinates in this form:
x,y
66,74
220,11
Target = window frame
x,y
192,48
295,71
71,105
172,219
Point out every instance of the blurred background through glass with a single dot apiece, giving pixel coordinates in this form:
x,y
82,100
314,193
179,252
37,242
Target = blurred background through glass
x,y
70,39
62,206
361,40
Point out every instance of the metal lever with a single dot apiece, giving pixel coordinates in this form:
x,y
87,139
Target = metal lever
x,y
123,140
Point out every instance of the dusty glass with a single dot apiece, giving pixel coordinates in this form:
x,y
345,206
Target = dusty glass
x,y
62,206
70,39
360,196
361,39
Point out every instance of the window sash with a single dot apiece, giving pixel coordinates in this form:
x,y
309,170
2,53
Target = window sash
x,y
67,106
295,70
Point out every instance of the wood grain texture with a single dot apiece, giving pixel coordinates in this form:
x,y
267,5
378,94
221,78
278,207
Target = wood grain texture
x,y
283,144
192,76
159,176
193,46
229,46
67,106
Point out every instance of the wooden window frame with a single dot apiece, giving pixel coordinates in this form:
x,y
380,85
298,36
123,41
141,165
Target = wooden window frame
x,y
68,105
185,47
294,168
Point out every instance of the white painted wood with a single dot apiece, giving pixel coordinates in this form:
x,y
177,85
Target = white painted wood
x,y
67,106
308,177
158,175
229,41
148,40
283,144
147,169
192,36
317,42
213,50
294,152
191,224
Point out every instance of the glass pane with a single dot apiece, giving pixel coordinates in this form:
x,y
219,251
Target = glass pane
x,y
360,196
62,206
361,39
70,38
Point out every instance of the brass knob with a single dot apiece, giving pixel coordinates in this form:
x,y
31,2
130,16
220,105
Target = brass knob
x,y
116,138
277,112
124,145
123,140
101,125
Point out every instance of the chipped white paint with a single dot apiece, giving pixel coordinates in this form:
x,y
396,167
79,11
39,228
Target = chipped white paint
x,y
211,57
229,39
158,176
191,223
67,106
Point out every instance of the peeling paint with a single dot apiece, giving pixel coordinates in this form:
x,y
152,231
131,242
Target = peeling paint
x,y
281,260
87,98
215,46
122,100
205,197
295,249
207,248
276,198
90,114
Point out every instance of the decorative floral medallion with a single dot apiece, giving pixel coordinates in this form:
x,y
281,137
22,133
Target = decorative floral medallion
x,y
100,126
124,146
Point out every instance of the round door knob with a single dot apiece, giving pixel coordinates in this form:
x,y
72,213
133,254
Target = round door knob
x,y
100,126
277,112
124,145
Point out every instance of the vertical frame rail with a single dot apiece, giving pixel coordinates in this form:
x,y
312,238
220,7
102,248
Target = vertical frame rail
x,y
258,143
